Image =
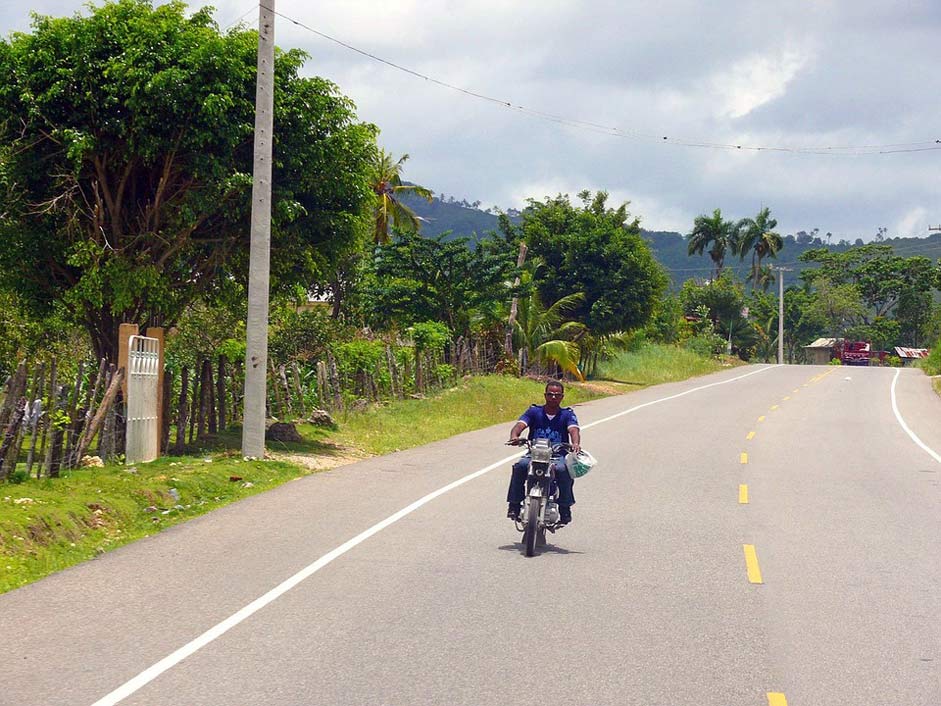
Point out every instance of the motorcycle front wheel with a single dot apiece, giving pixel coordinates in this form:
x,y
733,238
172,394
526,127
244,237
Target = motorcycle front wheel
x,y
531,533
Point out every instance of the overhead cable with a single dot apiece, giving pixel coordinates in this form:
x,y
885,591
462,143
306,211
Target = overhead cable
x,y
850,150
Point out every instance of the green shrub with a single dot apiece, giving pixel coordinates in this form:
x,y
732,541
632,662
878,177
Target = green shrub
x,y
706,344
835,361
932,364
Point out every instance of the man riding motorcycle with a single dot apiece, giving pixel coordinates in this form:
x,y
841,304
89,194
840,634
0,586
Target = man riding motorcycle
x,y
560,426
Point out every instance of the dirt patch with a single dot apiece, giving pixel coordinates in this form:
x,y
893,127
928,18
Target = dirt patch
x,y
315,462
607,388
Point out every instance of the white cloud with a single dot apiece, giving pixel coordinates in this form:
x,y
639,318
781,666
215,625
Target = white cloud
x,y
756,80
913,224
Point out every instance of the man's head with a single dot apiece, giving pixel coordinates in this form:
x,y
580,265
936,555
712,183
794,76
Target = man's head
x,y
554,394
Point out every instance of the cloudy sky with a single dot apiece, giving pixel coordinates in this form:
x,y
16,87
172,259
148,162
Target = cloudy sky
x,y
805,77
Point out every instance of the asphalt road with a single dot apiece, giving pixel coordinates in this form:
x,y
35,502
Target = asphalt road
x,y
802,475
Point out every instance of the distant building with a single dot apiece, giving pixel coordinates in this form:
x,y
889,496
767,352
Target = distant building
x,y
822,351
910,355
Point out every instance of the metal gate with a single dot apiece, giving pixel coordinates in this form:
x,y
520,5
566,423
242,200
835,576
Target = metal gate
x,y
143,434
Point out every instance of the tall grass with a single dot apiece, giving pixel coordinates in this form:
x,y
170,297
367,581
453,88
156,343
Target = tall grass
x,y
932,364
654,363
475,403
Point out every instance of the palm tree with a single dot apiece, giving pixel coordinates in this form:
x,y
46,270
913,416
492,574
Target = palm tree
x,y
541,334
714,231
764,279
386,184
756,235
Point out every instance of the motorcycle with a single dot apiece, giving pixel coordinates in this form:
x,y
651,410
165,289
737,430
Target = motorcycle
x,y
540,505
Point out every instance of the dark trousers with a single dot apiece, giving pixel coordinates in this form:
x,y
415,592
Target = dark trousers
x,y
563,480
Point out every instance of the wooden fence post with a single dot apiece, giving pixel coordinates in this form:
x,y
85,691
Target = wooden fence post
x,y
54,453
208,398
106,403
282,377
35,418
9,449
323,394
299,388
181,412
220,393
335,381
165,413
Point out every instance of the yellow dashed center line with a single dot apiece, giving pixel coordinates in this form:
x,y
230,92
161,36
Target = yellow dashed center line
x,y
796,390
751,435
774,406
761,418
751,564
743,495
787,397
776,698
743,458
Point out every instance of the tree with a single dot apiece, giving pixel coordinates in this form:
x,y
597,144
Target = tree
x,y
387,186
756,236
416,279
881,277
715,233
127,153
544,335
724,298
596,251
763,278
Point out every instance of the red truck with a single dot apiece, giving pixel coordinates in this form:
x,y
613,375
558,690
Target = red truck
x,y
857,353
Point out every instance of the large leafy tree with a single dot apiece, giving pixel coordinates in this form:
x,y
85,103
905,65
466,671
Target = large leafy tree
x,y
716,234
893,292
596,251
126,157
415,279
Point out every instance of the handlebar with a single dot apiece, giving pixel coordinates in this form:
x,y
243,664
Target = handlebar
x,y
528,443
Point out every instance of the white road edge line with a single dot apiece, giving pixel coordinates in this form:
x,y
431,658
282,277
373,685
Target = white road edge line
x,y
901,421
174,658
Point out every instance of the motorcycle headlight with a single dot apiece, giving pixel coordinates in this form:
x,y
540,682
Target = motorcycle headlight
x,y
542,454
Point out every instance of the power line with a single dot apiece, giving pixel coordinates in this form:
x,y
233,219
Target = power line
x,y
241,17
850,150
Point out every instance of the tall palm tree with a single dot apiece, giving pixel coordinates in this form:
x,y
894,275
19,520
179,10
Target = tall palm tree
x,y
386,184
712,231
756,236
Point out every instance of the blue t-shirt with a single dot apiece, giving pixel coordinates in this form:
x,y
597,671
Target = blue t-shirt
x,y
556,430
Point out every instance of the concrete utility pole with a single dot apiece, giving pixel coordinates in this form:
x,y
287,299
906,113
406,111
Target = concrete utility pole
x,y
256,328
781,271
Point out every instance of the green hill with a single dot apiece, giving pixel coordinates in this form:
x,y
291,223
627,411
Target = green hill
x,y
463,218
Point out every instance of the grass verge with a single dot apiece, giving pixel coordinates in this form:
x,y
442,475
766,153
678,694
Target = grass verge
x,y
47,525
